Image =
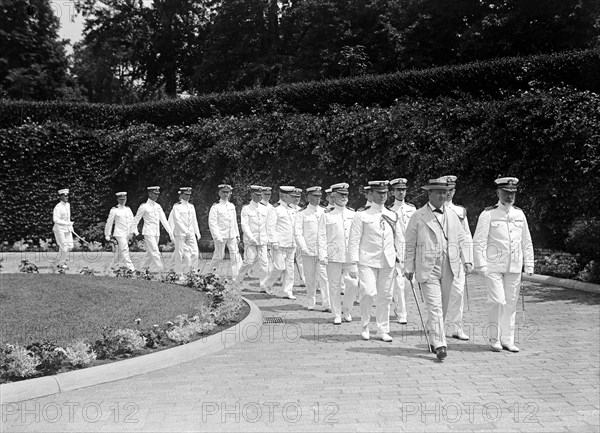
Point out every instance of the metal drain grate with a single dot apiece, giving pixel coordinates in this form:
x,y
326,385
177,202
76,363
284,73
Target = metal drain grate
x,y
272,320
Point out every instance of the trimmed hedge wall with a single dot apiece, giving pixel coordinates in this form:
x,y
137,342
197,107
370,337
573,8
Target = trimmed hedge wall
x,y
547,138
578,69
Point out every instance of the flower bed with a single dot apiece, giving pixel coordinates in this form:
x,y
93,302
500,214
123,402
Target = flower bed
x,y
221,307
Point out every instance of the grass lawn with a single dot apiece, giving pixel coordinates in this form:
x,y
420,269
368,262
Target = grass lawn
x,y
62,308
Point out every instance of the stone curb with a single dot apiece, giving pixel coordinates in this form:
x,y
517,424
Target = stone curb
x,y
563,282
247,329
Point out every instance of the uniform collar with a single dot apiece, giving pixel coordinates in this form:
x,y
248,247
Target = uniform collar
x,y
504,207
376,207
399,202
151,201
221,201
312,207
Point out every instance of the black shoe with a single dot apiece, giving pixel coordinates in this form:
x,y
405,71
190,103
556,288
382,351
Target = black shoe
x,y
440,352
432,348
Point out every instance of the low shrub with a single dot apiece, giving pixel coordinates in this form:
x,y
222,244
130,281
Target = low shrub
x,y
27,267
557,265
18,362
51,356
80,354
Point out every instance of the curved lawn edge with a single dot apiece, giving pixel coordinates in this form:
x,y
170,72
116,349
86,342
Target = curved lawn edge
x,y
563,282
246,330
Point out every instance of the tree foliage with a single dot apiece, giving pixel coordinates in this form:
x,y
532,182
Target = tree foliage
x,y
33,62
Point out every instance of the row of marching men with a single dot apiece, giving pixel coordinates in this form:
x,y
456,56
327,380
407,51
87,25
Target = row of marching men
x,y
374,252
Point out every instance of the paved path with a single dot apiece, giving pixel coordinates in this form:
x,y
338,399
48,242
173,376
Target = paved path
x,y
307,375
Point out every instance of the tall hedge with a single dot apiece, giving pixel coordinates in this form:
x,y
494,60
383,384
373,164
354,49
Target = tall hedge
x,y
548,138
578,69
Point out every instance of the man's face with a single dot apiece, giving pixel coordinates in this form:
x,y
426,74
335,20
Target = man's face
x,y
329,199
224,194
122,200
437,197
339,199
399,194
507,197
266,195
64,198
450,194
314,199
185,196
379,197
295,199
256,196
153,195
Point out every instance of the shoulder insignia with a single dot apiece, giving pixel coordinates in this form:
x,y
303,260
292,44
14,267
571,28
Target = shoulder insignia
x,y
411,205
491,207
363,208
328,210
322,207
390,208
349,208
276,204
262,203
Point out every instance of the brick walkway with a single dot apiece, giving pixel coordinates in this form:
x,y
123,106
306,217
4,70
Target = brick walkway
x,y
307,375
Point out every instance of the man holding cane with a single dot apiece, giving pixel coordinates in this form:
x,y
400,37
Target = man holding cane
x,y
63,228
436,244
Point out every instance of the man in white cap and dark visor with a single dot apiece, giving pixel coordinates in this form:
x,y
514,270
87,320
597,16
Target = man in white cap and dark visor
x,y
281,220
222,222
122,218
184,226
307,225
404,211
153,215
333,235
436,249
453,306
63,227
502,247
254,228
374,248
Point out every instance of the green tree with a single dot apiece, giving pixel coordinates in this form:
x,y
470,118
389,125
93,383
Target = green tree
x,y
33,62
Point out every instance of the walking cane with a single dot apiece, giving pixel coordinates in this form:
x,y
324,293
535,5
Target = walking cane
x,y
420,315
523,301
79,237
467,292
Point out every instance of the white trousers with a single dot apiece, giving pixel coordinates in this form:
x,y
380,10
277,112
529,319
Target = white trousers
x,y
121,253
185,257
64,240
399,297
315,274
255,254
503,294
337,274
381,279
283,263
152,259
300,264
234,256
435,289
454,304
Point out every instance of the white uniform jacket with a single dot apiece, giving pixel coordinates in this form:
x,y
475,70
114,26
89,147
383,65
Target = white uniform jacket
x,y
222,221
183,221
374,241
153,214
423,245
502,242
254,223
404,211
462,216
334,233
61,216
307,225
122,217
281,220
